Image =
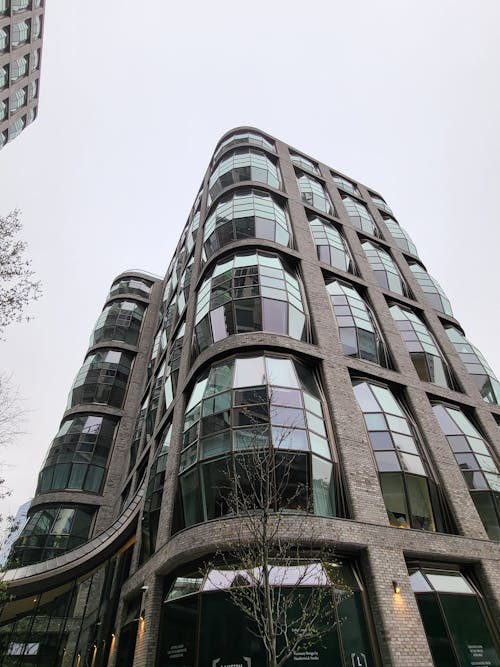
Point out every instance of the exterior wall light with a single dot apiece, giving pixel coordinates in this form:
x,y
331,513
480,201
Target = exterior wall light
x,y
396,587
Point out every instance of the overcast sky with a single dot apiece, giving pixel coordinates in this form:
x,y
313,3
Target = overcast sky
x,y
403,95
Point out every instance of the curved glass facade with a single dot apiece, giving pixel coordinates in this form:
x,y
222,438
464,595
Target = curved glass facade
x,y
243,164
476,462
120,320
424,352
50,531
477,366
102,378
378,201
239,138
358,330
313,193
401,236
343,183
245,214
330,244
245,406
304,163
433,291
360,216
453,618
78,455
249,292
386,272
130,286
409,492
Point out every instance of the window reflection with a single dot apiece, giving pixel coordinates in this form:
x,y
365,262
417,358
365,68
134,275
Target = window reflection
x,y
246,213
359,333
249,292
385,270
120,320
433,291
102,378
330,244
360,216
314,194
243,164
380,203
130,286
400,235
304,162
245,405
476,462
424,352
409,492
245,138
349,186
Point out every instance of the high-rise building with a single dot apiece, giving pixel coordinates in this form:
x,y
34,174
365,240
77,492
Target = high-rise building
x,y
296,317
21,31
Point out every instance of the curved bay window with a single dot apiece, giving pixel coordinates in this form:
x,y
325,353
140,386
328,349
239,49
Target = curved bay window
x,y
378,201
249,292
343,183
200,623
360,216
154,494
50,532
330,244
400,235
245,414
477,366
409,492
476,462
358,330
243,164
424,352
130,286
304,162
120,320
452,613
102,378
78,455
434,293
249,137
314,194
386,272
245,214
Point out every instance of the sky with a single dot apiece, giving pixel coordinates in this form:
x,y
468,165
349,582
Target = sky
x,y
401,95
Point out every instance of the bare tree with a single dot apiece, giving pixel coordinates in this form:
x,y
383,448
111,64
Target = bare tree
x,y
17,286
289,589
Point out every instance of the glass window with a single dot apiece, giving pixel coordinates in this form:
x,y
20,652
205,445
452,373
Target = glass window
x,y
20,5
18,99
16,128
243,164
304,163
481,372
386,272
400,235
476,461
407,487
130,286
4,6
120,320
245,138
433,291
246,406
330,244
456,629
19,33
378,201
102,378
424,352
36,27
35,59
3,110
347,185
4,39
360,216
4,76
249,292
314,194
246,213
18,68
358,331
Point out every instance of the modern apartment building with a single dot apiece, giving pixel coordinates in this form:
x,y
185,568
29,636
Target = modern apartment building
x,y
21,34
296,317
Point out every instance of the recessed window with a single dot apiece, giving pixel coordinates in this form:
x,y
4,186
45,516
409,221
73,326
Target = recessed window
x,y
120,320
409,492
4,76
16,128
380,202
21,5
245,138
314,194
358,330
479,369
78,455
434,293
31,115
243,164
249,292
3,110
33,89
19,33
304,163
360,216
35,59
245,214
401,236
4,6
330,244
346,185
476,462
386,272
3,139
4,39
17,100
18,68
423,349
241,407
37,27
102,378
